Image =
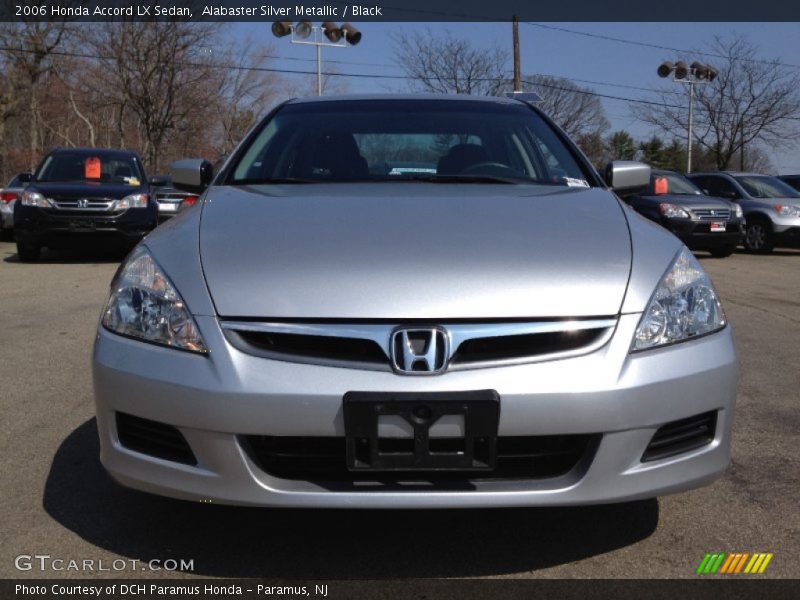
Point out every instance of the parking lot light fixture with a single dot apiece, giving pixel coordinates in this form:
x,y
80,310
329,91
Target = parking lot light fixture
x,y
696,73
328,34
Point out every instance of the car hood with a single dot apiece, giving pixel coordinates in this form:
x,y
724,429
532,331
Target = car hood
x,y
691,201
74,191
414,251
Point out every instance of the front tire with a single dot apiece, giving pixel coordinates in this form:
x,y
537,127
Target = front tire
x,y
723,252
759,237
28,252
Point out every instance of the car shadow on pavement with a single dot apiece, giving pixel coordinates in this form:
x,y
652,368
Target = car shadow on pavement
x,y
326,544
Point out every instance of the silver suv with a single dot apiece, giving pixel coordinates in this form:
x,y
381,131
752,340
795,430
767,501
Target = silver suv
x,y
771,206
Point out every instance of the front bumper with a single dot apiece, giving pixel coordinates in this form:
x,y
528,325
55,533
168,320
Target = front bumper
x,y
43,226
697,235
788,236
216,399
7,215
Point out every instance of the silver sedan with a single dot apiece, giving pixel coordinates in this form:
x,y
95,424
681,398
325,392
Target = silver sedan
x,y
490,328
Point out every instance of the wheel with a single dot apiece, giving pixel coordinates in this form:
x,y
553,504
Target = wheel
x,y
722,252
28,252
759,237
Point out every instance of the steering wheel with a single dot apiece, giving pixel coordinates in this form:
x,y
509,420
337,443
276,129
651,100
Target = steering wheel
x,y
489,168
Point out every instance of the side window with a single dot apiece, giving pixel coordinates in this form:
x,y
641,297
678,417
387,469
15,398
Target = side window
x,y
721,187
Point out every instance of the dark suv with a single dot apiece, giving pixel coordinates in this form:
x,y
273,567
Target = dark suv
x,y
84,193
702,223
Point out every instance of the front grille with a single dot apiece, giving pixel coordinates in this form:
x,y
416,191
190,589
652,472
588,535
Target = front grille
x,y
322,460
83,206
681,436
369,344
508,347
704,214
315,347
154,439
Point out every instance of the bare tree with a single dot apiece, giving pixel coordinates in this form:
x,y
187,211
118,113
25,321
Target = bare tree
x,y
752,100
444,64
245,92
26,59
158,72
575,108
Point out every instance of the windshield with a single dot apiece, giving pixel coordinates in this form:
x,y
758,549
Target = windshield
x,y
80,167
663,182
763,186
402,140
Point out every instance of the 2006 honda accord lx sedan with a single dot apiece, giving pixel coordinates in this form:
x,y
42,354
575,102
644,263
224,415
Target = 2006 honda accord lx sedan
x,y
411,301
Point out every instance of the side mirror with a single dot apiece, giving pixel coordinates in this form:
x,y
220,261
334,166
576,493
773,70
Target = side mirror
x,y
627,175
25,177
159,181
192,174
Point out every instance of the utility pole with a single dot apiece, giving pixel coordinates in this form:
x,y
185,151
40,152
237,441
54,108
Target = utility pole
x,y
689,136
517,76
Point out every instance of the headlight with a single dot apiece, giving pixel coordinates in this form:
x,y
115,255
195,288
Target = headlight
x,y
683,306
787,211
738,211
145,305
31,198
132,201
672,211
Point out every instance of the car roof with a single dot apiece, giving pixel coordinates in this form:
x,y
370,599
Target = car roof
x,y
732,173
94,151
406,97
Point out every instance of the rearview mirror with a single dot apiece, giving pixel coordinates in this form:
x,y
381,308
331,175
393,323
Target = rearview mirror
x,y
191,174
627,175
25,177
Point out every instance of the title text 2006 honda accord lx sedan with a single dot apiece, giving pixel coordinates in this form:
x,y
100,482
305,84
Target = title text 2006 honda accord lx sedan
x,y
411,301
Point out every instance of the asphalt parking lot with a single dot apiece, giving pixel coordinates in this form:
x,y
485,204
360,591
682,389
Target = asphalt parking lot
x,y
56,499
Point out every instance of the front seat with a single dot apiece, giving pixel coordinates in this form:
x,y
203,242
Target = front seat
x,y
339,154
460,157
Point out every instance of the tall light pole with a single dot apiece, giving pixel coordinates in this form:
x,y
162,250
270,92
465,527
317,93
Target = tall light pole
x,y
695,74
328,34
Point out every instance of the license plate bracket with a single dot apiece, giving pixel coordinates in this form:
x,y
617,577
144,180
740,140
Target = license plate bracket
x,y
81,225
476,451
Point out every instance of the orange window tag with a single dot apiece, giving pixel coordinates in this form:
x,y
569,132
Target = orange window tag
x,y
92,168
661,186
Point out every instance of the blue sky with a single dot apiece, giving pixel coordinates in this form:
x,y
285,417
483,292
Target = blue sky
x,y
558,53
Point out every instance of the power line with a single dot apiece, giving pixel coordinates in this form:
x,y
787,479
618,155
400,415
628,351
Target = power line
x,y
610,38
377,76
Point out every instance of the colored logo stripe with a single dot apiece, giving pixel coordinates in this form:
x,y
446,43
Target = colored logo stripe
x,y
720,562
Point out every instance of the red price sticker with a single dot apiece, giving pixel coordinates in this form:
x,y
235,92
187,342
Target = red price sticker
x,y
92,168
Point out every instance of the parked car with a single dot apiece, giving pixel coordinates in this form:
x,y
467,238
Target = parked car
x,y
79,193
771,207
170,200
700,222
503,332
792,180
8,198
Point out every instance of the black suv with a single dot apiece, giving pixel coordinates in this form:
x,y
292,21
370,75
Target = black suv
x,y
84,192
702,223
